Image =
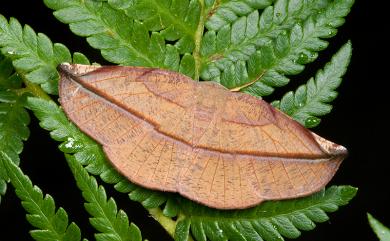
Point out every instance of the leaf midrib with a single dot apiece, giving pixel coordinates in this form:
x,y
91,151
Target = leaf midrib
x,y
114,33
270,32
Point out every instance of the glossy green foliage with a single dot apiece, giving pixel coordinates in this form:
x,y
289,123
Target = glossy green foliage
x,y
264,48
311,100
111,223
176,20
33,55
224,12
121,39
380,230
269,221
49,223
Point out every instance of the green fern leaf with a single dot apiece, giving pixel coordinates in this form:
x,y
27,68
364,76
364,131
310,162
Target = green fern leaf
x,y
255,52
224,12
311,100
380,230
121,39
177,20
113,224
50,224
33,55
269,221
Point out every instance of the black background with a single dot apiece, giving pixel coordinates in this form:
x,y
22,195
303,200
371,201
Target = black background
x,y
358,121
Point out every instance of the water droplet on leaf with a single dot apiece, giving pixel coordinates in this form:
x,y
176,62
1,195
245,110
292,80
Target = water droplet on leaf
x,y
69,143
302,58
312,121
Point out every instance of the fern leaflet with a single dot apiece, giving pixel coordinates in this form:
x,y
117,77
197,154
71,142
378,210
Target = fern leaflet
x,y
50,224
33,55
223,12
311,100
121,39
380,230
177,20
269,221
111,223
260,50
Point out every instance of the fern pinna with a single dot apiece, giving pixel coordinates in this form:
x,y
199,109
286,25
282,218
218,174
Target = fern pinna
x,y
245,45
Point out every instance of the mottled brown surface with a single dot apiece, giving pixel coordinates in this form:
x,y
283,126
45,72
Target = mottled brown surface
x,y
164,131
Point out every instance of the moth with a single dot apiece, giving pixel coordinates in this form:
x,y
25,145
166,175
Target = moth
x,y
224,149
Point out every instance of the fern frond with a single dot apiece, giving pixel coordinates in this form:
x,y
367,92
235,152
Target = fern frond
x,y
111,223
224,12
50,224
177,20
312,99
33,55
240,40
284,41
269,221
381,231
121,39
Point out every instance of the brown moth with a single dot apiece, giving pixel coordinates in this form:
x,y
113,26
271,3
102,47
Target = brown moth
x,y
223,149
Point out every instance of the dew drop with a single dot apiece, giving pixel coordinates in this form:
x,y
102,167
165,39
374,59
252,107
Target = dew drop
x,y
69,143
220,232
11,52
302,58
312,121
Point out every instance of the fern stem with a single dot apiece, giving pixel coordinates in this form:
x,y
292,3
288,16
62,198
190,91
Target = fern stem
x,y
35,90
168,224
239,88
198,39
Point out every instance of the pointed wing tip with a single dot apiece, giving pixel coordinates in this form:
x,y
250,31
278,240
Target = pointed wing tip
x,y
331,148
